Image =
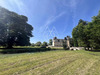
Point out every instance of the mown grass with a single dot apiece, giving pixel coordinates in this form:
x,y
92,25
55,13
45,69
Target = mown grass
x,y
59,62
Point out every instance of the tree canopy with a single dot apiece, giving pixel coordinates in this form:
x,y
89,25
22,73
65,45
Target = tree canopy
x,y
50,42
45,44
14,29
38,43
87,34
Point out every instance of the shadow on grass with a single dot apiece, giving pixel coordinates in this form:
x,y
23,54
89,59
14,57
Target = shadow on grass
x,y
22,50
96,50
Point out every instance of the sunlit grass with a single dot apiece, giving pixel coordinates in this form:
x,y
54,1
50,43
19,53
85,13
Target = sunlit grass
x,y
51,63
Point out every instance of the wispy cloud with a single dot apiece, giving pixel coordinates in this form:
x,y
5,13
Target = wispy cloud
x,y
45,29
72,4
53,18
13,5
72,7
20,6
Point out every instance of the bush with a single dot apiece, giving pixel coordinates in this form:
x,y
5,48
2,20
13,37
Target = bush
x,y
64,47
23,50
49,48
43,47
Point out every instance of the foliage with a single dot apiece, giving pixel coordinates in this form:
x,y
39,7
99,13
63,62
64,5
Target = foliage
x,y
38,43
44,44
50,42
23,50
87,34
14,29
32,44
75,36
71,42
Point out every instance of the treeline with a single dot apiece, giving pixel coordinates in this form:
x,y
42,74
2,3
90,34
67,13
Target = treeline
x,y
44,44
40,44
87,34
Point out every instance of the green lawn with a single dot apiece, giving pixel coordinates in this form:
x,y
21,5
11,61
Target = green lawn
x,y
51,63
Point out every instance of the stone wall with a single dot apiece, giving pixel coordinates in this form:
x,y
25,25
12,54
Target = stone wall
x,y
76,48
58,42
61,42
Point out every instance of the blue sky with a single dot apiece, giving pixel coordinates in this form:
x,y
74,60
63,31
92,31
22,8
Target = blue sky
x,y
53,17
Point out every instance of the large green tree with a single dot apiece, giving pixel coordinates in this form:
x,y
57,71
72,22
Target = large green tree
x,y
95,31
79,36
75,36
87,34
14,29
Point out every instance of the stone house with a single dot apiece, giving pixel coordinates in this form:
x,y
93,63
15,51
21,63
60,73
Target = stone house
x,y
61,42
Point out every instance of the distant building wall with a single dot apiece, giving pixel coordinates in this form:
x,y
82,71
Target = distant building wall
x,y
60,42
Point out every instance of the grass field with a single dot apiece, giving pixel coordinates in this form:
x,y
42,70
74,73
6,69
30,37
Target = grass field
x,y
51,63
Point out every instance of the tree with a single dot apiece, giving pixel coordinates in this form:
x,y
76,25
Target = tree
x,y
75,36
32,44
14,29
44,44
79,37
82,40
92,31
71,42
38,43
95,31
50,42
87,34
